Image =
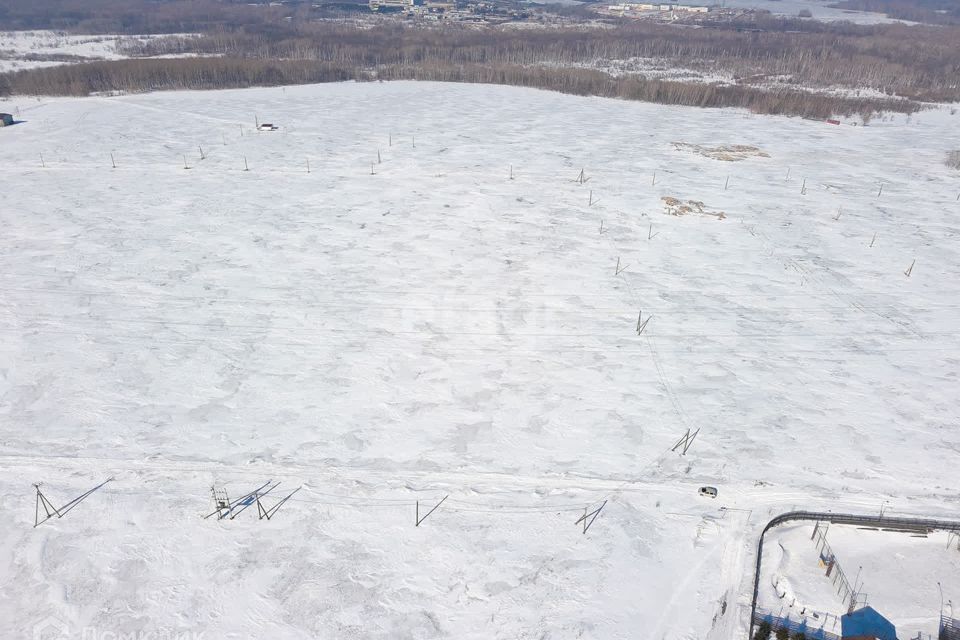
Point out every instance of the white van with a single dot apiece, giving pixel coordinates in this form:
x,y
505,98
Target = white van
x,y
710,492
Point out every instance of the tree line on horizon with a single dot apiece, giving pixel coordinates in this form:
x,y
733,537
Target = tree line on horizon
x,y
912,62
141,75
787,66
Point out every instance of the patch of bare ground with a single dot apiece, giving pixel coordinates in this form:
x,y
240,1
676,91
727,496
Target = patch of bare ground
x,y
676,207
953,159
727,152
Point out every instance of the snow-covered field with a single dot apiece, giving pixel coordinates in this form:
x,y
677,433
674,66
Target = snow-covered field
x,y
30,49
383,333
698,72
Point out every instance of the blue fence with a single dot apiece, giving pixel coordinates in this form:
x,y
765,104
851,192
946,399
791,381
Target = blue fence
x,y
949,628
795,626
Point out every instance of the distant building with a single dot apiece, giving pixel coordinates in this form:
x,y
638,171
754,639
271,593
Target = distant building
x,y
391,5
6,119
866,624
682,7
632,6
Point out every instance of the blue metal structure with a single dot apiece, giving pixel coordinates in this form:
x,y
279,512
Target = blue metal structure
x,y
949,628
867,623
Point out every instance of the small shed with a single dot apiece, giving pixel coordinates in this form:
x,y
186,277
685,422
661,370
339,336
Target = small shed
x,y
6,119
866,624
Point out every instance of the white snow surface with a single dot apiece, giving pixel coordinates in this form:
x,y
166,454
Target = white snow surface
x,y
21,50
392,332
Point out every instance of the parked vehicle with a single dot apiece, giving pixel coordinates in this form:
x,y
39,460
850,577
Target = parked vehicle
x,y
710,492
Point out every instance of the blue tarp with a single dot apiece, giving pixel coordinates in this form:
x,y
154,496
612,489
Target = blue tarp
x,y
867,623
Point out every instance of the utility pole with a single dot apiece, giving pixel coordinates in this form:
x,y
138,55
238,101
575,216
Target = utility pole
x,y
940,587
